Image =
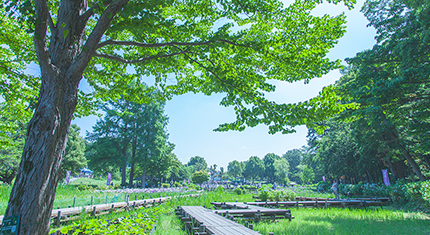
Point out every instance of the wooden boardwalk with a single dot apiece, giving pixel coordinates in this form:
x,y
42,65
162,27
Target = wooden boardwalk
x,y
200,221
248,211
309,202
58,214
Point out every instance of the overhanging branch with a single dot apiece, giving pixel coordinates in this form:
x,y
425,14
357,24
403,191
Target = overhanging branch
x,y
122,60
151,45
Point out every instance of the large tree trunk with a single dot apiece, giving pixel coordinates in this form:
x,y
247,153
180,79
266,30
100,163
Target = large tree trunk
x,y
61,68
33,193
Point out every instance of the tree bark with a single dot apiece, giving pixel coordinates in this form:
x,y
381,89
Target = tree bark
x,y
33,193
61,68
414,165
132,160
393,169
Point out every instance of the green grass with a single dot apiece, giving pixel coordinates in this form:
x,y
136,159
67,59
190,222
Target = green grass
x,y
307,221
71,196
93,181
168,224
348,221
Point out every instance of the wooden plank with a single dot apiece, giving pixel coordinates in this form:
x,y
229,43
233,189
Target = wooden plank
x,y
216,224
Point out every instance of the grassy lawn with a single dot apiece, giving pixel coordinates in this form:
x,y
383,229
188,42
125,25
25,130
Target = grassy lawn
x,y
319,221
307,220
348,221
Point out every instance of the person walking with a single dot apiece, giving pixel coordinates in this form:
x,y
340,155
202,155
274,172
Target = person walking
x,y
335,188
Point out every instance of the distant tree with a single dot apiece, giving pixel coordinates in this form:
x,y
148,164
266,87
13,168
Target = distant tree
x,y
254,168
235,169
269,160
221,173
198,163
307,174
199,177
281,169
136,134
212,171
294,158
74,157
183,173
10,153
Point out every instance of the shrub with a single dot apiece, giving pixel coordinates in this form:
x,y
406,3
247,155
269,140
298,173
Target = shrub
x,y
219,189
165,185
266,195
83,187
239,191
323,186
193,186
177,184
397,192
425,192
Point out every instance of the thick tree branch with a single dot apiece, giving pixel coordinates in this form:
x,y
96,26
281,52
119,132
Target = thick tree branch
x,y
83,19
151,45
156,45
43,16
122,60
77,68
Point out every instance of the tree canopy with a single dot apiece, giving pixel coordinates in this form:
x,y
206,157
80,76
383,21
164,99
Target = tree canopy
x,y
230,47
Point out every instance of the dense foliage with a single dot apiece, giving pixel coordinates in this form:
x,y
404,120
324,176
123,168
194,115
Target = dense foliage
x,y
131,134
390,85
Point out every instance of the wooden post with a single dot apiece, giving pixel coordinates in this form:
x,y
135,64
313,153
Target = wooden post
x,y
326,203
93,213
202,228
58,218
74,200
92,200
251,226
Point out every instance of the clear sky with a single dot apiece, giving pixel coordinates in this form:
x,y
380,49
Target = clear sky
x,y
192,117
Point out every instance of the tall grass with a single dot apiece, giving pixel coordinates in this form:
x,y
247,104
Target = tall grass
x,y
347,221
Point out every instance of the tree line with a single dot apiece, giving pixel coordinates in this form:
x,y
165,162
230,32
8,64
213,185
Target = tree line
x,y
390,86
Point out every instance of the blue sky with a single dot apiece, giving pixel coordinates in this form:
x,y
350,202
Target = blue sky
x,y
192,117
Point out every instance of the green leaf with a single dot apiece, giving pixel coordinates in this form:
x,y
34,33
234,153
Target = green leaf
x,y
65,33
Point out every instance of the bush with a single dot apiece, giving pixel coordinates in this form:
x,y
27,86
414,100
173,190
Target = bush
x,y
248,187
165,185
83,187
239,191
177,184
219,189
284,195
266,195
425,191
193,186
323,186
